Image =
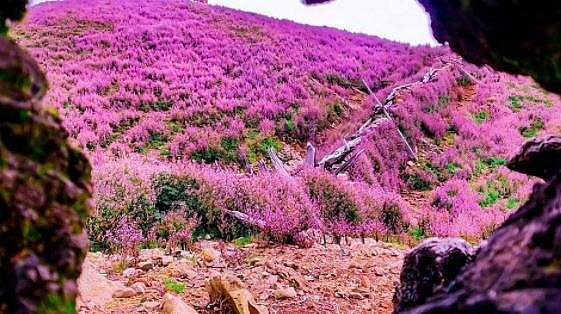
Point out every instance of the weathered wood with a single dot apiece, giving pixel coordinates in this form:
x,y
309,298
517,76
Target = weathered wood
x,y
245,218
347,164
277,163
426,78
262,166
380,114
309,161
339,154
245,161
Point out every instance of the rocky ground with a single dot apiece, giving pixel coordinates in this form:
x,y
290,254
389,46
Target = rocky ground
x,y
352,278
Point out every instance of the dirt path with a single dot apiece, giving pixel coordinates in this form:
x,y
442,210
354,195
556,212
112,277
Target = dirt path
x,y
358,278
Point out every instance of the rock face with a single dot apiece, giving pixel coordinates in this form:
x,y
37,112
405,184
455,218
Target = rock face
x,y
432,265
519,270
519,37
44,188
540,157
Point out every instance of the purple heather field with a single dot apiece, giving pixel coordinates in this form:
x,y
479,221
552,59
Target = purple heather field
x,y
161,95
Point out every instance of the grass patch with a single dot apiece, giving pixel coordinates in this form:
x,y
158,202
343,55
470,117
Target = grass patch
x,y
480,117
174,286
488,164
242,241
512,203
532,130
490,195
515,102
452,168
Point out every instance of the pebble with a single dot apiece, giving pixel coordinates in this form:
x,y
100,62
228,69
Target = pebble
x,y
139,287
129,272
124,293
285,293
147,265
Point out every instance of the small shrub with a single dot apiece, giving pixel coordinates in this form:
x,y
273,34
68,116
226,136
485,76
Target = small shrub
x,y
392,217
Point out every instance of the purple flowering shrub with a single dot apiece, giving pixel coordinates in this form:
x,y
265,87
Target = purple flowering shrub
x,y
174,230
125,237
176,77
146,88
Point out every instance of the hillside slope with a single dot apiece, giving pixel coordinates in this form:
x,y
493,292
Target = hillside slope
x,y
145,86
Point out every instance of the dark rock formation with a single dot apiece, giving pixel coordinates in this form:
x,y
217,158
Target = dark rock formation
x,y
428,268
540,157
44,188
519,270
519,37
11,10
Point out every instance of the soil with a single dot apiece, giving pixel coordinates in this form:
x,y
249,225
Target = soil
x,y
354,277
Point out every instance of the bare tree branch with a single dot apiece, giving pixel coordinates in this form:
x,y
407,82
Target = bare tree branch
x,y
277,163
309,161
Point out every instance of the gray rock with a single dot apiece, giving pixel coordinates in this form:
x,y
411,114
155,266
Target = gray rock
x,y
540,157
429,267
45,185
518,271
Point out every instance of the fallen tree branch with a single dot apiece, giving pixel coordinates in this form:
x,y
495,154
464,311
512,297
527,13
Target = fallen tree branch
x,y
380,114
277,163
310,159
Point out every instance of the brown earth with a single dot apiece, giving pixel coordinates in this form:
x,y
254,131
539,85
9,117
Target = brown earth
x,y
352,278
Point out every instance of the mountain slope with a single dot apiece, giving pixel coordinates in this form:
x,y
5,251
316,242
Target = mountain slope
x,y
145,86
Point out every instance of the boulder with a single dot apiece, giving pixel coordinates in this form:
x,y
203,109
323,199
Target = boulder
x,y
519,270
429,267
540,157
95,289
44,192
516,36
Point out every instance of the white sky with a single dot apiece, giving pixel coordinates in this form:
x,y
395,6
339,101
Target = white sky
x,y
399,20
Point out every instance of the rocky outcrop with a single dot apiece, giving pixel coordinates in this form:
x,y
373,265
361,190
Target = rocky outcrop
x,y
428,268
519,270
519,37
44,188
11,10
540,157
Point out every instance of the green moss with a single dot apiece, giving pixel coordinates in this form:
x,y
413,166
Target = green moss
x,y
54,304
18,80
243,241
